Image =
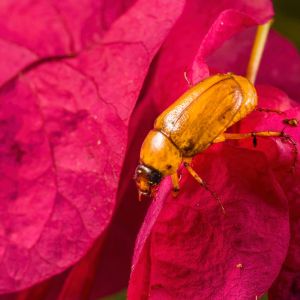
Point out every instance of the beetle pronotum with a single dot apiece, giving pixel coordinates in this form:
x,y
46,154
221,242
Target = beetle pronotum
x,y
199,118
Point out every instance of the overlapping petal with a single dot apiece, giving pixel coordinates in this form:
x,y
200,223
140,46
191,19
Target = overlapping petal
x,y
64,131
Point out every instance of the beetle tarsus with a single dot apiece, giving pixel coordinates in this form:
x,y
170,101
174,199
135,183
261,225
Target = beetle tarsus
x,y
175,192
270,110
254,141
287,138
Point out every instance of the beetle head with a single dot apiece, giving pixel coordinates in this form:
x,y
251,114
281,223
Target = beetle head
x,y
146,179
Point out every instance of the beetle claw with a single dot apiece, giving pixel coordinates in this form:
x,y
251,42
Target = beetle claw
x,y
254,140
175,192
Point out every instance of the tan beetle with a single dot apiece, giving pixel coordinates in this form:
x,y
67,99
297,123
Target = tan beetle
x,y
199,118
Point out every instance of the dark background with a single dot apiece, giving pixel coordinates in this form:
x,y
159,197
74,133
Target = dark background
x,y
287,19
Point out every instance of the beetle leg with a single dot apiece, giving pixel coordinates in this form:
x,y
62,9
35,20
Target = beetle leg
x,y
280,134
175,182
202,182
257,50
276,111
219,139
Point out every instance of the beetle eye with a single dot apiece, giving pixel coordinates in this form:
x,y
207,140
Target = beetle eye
x,y
153,176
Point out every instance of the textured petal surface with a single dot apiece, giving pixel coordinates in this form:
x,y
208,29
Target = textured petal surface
x,y
63,136
60,29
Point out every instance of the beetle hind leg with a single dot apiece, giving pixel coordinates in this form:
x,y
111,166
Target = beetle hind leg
x,y
202,182
276,134
269,110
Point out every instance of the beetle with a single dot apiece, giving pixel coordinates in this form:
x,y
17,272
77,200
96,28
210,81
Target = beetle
x,y
198,119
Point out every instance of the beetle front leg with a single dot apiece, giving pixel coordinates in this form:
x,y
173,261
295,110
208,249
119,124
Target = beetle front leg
x,y
187,165
193,173
175,182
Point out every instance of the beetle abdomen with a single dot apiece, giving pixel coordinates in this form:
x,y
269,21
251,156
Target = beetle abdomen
x,y
203,113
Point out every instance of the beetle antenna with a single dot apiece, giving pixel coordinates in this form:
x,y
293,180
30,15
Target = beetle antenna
x,y
140,196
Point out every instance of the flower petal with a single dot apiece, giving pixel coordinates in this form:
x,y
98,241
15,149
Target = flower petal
x,y
61,28
194,251
280,156
63,135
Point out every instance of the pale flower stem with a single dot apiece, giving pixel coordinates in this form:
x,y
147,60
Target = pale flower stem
x,y
257,50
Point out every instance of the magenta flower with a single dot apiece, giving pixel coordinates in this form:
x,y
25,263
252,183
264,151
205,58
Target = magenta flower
x,y
81,84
